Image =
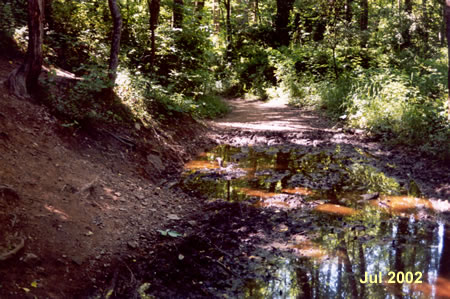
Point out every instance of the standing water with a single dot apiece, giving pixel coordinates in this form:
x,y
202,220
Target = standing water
x,y
347,230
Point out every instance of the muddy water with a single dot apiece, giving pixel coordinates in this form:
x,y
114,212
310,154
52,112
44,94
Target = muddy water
x,y
352,223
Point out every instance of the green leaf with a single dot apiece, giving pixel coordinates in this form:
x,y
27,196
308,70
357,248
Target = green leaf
x,y
174,234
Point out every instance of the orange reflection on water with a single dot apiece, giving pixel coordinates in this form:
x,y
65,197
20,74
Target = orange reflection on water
x,y
298,190
258,193
309,249
404,204
335,209
441,287
201,164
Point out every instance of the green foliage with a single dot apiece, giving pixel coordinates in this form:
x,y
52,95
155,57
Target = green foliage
x,y
370,179
82,99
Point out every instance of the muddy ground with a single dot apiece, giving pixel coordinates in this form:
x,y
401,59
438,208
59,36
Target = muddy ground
x,y
253,238
111,211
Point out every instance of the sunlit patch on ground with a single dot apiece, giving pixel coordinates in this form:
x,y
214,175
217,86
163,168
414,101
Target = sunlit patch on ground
x,y
62,215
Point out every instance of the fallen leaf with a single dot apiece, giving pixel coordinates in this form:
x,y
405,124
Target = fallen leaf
x,y
34,284
174,234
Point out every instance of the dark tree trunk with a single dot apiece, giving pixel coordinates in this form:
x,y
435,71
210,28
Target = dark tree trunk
x,y
444,266
199,5
447,23
228,25
153,7
284,8
23,81
177,13
115,42
348,11
364,20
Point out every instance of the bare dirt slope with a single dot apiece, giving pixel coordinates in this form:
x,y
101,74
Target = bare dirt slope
x,y
76,203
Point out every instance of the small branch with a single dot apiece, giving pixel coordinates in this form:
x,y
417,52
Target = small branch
x,y
10,254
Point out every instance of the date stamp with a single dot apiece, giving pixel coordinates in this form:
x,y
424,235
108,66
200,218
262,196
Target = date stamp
x,y
393,277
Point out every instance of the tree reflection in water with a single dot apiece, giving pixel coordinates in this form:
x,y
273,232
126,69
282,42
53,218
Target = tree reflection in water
x,y
348,237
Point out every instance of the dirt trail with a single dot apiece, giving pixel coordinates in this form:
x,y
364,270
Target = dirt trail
x,y
258,123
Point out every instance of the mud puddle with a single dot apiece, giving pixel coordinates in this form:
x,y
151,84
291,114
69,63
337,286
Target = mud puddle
x,y
319,223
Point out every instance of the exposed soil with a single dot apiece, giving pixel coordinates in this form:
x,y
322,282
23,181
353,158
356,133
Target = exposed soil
x,y
103,211
77,202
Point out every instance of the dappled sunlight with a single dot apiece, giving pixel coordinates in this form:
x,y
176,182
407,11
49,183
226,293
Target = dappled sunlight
x,y
61,214
335,209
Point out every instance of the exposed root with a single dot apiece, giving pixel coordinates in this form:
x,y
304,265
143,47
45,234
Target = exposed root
x,y
11,253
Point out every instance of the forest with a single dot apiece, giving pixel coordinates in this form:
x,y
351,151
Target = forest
x,y
224,148
377,65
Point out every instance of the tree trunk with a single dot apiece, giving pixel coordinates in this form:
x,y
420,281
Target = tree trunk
x,y
348,11
199,5
153,7
177,13
216,12
284,8
255,11
447,23
23,81
115,42
228,27
406,34
364,20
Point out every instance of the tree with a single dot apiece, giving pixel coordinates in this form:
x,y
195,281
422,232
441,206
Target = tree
x,y
348,11
199,5
115,42
23,81
406,34
177,13
364,21
284,8
447,23
154,8
228,27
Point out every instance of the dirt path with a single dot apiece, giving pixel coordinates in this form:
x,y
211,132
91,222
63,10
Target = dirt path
x,y
256,123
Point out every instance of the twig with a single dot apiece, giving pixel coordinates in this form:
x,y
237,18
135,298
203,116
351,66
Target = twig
x,y
222,266
9,254
121,139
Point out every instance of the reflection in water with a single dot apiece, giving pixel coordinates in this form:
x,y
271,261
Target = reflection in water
x,y
348,236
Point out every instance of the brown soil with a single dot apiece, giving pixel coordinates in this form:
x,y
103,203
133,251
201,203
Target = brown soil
x,y
74,203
